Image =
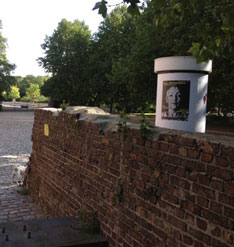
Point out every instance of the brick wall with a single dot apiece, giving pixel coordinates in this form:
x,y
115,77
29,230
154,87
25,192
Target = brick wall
x,y
174,190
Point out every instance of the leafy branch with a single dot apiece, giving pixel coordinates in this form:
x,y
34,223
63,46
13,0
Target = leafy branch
x,y
144,128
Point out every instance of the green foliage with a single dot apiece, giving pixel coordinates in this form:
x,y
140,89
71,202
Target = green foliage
x,y
115,66
33,91
213,26
41,99
122,122
90,220
66,58
14,93
102,7
119,196
64,105
144,127
24,82
6,80
23,192
25,99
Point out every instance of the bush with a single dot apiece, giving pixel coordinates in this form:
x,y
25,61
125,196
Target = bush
x,y
25,99
41,99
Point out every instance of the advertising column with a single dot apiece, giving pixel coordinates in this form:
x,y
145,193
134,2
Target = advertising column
x,y
182,93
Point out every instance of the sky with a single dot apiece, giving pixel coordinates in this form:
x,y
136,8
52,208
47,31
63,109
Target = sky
x,y
25,24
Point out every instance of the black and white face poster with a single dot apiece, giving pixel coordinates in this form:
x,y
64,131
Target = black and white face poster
x,y
175,100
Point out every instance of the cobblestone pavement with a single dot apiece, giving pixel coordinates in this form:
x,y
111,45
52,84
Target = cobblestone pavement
x,y
15,148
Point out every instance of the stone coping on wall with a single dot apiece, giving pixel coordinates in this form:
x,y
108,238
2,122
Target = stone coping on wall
x,y
110,122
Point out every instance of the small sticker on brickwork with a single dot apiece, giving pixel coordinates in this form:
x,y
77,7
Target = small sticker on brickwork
x,y
46,129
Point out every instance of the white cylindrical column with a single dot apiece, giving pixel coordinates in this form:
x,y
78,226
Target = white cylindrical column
x,y
181,93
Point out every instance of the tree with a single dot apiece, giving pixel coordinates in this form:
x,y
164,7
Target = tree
x,y
111,44
5,68
214,25
14,93
33,92
66,58
204,29
24,82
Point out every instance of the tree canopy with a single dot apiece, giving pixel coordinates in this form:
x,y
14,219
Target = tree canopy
x,y
5,67
214,22
33,91
14,93
66,57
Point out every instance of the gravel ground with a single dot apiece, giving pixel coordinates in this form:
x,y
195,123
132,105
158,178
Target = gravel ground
x,y
15,143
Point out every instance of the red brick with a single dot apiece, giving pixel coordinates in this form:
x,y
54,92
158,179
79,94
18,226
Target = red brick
x,y
151,152
170,198
203,180
227,150
216,232
187,240
181,172
159,233
189,218
166,138
198,244
224,198
201,224
203,191
173,149
232,162
179,213
206,157
229,212
187,142
132,156
171,159
177,223
202,202
163,147
180,182
182,151
171,169
231,225
193,154
193,176
228,237
229,188
221,161
217,243
192,208
216,184
171,242
177,235
215,218
206,239
215,207
192,165
135,235
219,173
206,146
190,197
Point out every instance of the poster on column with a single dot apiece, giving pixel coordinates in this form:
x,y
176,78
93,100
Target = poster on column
x,y
175,100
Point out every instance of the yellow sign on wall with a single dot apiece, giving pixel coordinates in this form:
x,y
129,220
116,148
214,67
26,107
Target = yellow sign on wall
x,y
46,129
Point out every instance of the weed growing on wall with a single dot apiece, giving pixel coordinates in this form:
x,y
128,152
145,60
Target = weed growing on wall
x,y
122,122
144,128
89,220
119,196
64,105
